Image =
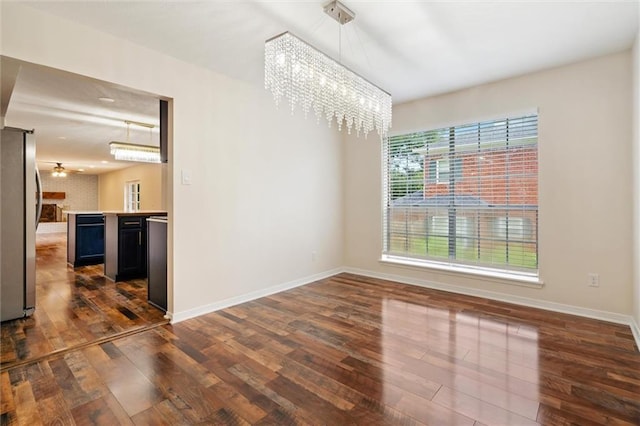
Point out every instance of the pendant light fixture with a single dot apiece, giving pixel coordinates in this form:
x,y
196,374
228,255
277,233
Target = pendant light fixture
x,y
306,76
127,151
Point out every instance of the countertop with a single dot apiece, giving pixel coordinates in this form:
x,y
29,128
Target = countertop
x,y
120,212
162,219
138,213
80,212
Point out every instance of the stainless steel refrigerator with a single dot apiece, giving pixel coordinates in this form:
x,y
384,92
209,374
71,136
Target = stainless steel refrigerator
x,y
20,204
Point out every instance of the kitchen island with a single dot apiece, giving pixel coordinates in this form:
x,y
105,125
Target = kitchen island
x,y
85,238
125,244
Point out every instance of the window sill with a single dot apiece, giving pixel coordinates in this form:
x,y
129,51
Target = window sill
x,y
505,277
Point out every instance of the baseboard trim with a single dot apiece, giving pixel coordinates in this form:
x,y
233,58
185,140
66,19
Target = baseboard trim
x,y
502,297
635,329
176,317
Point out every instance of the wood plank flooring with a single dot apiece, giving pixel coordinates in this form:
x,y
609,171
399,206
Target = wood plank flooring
x,y
73,307
341,351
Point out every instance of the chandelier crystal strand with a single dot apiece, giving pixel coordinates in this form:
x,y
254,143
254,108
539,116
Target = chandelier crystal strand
x,y
305,76
126,151
131,152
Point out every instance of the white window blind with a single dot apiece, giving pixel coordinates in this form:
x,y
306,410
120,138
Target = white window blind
x,y
464,195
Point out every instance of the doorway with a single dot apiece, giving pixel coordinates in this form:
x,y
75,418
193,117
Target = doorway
x,y
74,118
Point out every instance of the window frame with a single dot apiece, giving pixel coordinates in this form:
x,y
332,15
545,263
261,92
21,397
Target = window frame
x,y
131,189
431,169
442,176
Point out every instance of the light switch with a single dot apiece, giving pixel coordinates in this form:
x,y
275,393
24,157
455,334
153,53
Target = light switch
x,y
186,177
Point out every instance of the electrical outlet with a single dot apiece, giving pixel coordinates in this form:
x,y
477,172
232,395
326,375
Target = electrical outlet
x,y
593,280
314,256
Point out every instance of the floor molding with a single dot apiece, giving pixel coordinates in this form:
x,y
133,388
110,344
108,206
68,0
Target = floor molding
x,y
51,227
176,317
635,329
503,297
64,351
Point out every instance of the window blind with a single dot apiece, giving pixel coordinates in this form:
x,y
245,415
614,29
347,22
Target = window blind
x,y
465,194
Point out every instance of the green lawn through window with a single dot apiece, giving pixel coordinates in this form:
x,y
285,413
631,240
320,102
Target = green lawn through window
x,y
519,255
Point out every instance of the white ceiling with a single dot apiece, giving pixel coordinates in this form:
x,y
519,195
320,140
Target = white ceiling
x,y
72,125
411,49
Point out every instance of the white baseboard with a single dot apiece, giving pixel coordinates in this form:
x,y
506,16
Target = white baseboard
x,y
51,227
517,300
635,329
176,317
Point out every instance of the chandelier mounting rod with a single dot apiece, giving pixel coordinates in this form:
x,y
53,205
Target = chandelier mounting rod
x,y
339,12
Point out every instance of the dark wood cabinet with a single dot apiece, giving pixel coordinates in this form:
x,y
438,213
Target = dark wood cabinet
x,y
132,249
85,239
125,246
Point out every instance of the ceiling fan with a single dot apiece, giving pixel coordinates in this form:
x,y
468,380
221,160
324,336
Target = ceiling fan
x,y
59,171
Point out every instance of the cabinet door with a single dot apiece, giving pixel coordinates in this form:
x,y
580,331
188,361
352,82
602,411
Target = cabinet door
x,y
90,241
130,251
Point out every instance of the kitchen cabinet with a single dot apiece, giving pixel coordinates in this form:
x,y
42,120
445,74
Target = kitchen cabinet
x,y
126,245
85,238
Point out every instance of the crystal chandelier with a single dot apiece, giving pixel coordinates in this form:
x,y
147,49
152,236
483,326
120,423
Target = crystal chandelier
x,y
132,152
306,76
125,151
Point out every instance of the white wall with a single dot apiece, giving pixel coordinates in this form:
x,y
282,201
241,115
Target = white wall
x,y
585,180
81,191
151,187
266,186
636,179
269,188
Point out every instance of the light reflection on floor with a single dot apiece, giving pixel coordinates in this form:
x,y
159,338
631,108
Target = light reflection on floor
x,y
484,368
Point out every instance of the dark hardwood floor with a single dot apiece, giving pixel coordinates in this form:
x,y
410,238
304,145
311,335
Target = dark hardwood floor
x,y
345,350
73,307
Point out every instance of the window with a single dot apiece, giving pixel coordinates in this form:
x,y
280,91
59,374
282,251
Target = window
x,y
440,226
517,228
464,195
132,196
442,170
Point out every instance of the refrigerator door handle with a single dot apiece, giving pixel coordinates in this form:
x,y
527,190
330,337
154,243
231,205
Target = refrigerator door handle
x,y
39,195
